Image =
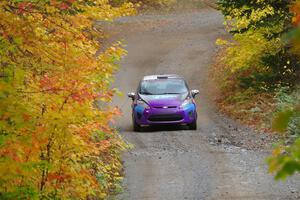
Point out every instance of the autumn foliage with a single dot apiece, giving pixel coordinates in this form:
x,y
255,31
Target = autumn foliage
x,y
259,73
257,61
55,136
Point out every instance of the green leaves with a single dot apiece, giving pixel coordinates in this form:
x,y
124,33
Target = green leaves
x,y
288,169
21,193
282,119
285,161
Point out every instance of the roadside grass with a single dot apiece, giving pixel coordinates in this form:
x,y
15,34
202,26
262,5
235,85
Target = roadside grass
x,y
249,108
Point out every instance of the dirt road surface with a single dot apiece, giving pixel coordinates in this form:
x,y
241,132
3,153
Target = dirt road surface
x,y
174,163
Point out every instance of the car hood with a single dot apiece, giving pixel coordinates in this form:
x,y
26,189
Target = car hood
x,y
164,100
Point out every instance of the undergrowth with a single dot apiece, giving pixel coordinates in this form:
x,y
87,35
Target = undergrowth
x,y
247,105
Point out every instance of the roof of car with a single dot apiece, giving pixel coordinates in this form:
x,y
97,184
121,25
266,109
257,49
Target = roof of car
x,y
162,76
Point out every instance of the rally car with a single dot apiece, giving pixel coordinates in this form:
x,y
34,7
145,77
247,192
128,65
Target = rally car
x,y
163,99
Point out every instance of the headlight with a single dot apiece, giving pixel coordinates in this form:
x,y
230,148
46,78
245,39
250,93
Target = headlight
x,y
142,103
186,102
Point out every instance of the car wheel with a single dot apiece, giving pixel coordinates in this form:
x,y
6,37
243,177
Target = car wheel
x,y
136,127
193,126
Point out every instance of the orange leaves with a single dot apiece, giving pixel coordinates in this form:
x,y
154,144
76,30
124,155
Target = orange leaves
x,y
104,145
22,150
296,10
83,94
53,132
62,5
296,19
58,177
26,117
24,7
49,84
5,35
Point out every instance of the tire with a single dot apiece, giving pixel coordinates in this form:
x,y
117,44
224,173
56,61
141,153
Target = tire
x,y
193,126
136,127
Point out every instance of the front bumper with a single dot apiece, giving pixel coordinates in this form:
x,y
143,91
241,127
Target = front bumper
x,y
174,115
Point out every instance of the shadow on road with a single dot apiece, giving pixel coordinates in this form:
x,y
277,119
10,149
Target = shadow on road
x,y
159,128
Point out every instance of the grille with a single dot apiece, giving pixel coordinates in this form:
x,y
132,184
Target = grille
x,y
165,118
165,107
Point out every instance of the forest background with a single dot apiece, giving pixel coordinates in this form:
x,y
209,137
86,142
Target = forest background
x,y
56,138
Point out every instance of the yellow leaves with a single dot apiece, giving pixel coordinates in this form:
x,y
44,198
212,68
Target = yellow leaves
x,y
221,42
247,49
241,18
39,31
52,103
50,9
277,151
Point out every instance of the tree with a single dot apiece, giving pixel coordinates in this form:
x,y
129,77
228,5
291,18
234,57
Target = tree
x,y
257,28
257,60
54,141
261,61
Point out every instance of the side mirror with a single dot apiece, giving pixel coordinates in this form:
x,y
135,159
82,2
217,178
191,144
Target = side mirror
x,y
131,95
194,92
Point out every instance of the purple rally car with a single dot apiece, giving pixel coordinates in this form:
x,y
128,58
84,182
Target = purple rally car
x,y
163,99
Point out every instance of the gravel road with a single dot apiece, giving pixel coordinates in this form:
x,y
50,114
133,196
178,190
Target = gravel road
x,y
173,163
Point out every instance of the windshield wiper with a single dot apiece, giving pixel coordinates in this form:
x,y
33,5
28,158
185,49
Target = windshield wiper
x,y
147,93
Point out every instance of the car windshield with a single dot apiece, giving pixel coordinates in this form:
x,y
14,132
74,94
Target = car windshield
x,y
163,86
